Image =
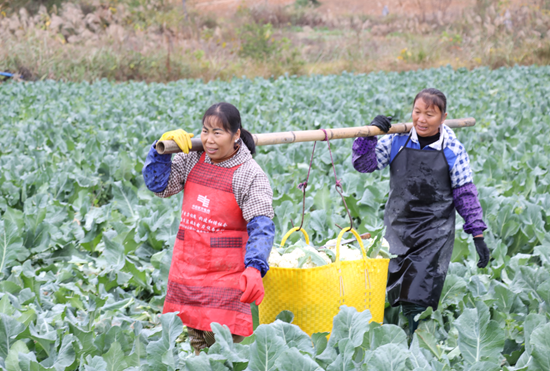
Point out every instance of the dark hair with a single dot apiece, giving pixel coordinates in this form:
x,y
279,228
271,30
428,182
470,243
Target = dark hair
x,y
433,97
230,119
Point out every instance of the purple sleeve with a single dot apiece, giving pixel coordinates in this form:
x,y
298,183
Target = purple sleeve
x,y
364,155
468,206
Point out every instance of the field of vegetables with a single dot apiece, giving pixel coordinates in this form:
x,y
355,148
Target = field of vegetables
x,y
85,247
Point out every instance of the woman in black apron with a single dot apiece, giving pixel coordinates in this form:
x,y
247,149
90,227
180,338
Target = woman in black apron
x,y
430,177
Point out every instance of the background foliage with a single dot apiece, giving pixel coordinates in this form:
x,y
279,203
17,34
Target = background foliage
x,y
85,247
167,40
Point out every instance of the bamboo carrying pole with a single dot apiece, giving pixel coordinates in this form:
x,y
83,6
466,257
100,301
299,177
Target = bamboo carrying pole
x,y
169,146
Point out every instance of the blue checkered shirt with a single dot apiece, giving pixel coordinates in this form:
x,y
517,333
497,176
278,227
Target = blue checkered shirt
x,y
457,158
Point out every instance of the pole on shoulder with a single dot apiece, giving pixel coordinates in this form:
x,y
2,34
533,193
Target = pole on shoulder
x,y
169,146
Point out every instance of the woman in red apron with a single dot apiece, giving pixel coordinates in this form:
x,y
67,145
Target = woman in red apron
x,y
226,232
430,177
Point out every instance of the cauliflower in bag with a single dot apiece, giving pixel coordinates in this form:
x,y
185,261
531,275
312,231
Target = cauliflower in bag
x,y
302,255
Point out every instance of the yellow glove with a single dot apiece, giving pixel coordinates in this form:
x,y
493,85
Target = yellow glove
x,y
181,137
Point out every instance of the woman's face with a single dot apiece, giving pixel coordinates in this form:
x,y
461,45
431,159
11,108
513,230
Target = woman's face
x,y
218,143
427,119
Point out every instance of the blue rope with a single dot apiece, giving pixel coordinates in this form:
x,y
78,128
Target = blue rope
x,y
7,74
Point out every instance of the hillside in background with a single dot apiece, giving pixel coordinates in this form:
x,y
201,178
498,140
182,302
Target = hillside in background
x,y
161,40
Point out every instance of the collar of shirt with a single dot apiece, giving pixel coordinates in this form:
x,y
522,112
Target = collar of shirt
x,y
240,158
435,145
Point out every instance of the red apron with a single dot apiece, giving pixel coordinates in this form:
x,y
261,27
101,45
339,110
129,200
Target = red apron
x,y
208,257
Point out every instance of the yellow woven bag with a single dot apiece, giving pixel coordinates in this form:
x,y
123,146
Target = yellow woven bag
x,y
314,295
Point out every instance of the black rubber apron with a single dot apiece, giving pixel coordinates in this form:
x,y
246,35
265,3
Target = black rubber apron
x,y
420,226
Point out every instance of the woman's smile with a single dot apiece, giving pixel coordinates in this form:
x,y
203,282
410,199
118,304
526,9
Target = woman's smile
x,y
427,118
211,150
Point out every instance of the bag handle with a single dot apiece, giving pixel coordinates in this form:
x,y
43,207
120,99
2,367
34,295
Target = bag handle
x,y
287,235
339,241
339,263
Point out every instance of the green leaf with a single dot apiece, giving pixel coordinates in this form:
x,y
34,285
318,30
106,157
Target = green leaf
x,y
27,317
5,306
525,363
28,362
113,255
11,287
359,326
11,245
540,345
267,348
225,347
485,366
417,359
285,211
139,276
375,247
139,348
85,340
9,329
66,354
427,341
293,336
26,296
285,316
39,240
126,200
96,363
15,217
292,360
204,362
426,314
338,364
342,324
480,339
454,290
160,353
387,334
44,335
115,358
318,220
12,360
315,258
532,322
322,199
544,291
504,297
389,357
320,341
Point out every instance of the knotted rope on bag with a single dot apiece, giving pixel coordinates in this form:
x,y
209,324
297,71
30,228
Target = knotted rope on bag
x,y
338,183
303,186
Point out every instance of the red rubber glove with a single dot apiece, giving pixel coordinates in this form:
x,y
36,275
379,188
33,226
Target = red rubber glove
x,y
252,286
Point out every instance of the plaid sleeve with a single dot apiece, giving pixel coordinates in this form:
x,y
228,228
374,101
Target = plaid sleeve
x,y
461,173
253,191
383,151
